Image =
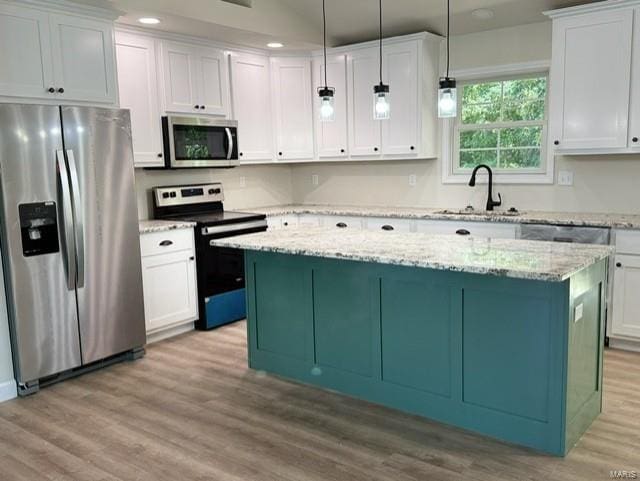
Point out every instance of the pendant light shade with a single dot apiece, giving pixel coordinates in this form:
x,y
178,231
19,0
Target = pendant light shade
x,y
381,98
327,106
447,92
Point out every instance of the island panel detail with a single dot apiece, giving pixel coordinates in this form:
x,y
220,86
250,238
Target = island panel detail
x,y
516,359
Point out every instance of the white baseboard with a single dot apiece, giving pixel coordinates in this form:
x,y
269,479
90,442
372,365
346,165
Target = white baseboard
x,y
624,344
8,390
169,332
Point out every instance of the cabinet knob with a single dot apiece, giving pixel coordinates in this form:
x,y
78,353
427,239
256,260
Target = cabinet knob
x,y
241,154
196,106
375,149
412,147
556,142
342,151
463,232
202,107
279,153
159,154
635,139
60,90
51,90
192,258
618,264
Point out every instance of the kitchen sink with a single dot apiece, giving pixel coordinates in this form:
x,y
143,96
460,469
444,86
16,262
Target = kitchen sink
x,y
491,213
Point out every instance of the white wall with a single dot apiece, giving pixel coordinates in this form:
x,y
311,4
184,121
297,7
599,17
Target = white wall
x,y
601,184
264,185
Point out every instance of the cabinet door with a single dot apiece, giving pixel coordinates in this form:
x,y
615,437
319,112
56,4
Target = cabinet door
x,y
252,106
179,76
170,294
590,78
362,75
292,108
634,115
331,136
25,64
626,297
138,91
401,132
83,59
212,79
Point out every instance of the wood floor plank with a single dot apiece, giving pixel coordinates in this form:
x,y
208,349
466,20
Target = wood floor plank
x,y
192,410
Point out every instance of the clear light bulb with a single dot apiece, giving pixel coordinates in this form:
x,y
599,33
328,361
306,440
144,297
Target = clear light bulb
x,y
382,106
447,98
327,112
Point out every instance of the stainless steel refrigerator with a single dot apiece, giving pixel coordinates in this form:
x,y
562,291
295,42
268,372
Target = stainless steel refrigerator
x,y
70,242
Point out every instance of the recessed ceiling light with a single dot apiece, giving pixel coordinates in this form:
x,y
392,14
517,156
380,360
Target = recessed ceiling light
x,y
482,14
149,20
275,45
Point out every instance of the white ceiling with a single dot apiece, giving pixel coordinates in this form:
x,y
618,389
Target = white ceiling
x,y
298,23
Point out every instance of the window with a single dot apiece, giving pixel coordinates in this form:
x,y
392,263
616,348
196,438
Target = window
x,y
501,123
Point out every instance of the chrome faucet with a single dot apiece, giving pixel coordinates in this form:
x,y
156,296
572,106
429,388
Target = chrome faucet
x,y
472,182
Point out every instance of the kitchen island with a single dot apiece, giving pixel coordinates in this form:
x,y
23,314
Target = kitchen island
x,y
498,336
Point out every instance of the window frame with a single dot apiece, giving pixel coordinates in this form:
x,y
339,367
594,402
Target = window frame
x,y
453,174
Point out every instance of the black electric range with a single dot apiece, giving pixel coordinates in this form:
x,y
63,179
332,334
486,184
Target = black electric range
x,y
220,271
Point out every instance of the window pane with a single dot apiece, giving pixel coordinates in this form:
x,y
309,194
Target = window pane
x,y
470,158
525,89
533,110
519,158
480,114
475,139
521,137
482,93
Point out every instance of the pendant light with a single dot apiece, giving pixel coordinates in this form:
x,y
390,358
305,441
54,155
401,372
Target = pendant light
x,y
327,110
381,101
447,93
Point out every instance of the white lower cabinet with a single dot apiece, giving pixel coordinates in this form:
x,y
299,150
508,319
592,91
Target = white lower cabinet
x,y
389,224
625,315
169,282
476,229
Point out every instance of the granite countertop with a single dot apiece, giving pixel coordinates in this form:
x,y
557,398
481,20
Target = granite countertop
x,y
147,226
618,221
546,261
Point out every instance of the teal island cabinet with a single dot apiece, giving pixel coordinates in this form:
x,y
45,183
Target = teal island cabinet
x,y
502,337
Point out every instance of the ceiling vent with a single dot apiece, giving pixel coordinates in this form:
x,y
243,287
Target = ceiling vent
x,y
241,3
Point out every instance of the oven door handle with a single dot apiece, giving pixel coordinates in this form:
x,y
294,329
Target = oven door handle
x,y
223,229
229,143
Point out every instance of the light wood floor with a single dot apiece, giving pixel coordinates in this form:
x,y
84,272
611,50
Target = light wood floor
x,y
191,410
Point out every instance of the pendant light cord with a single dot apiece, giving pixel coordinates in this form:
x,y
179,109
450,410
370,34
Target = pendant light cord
x,y
324,33
448,26
380,42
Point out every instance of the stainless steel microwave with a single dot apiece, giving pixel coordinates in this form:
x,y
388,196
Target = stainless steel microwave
x,y
192,142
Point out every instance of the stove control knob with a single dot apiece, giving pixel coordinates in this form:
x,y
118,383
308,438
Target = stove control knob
x,y
211,191
165,195
216,191
172,194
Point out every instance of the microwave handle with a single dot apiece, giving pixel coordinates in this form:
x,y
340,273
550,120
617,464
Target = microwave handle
x,y
229,143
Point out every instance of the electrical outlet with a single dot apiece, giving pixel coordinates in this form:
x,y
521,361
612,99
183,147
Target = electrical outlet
x,y
243,182
314,179
412,180
565,177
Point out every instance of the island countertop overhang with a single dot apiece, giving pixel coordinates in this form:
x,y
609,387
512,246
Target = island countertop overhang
x,y
521,259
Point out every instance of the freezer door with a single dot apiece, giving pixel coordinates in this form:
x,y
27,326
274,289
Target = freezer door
x,y
109,283
38,252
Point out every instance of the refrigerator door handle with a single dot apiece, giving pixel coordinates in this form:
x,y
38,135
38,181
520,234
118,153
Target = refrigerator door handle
x,y
77,216
67,221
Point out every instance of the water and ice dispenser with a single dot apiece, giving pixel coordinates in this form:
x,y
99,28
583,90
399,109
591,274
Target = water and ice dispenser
x,y
39,228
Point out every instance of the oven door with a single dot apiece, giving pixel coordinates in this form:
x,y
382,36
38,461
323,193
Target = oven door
x,y
200,142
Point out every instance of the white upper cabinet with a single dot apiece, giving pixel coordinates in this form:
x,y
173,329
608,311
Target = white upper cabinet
x,y
634,114
591,81
400,133
25,64
138,91
293,111
251,87
362,74
195,79
331,136
65,58
83,59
